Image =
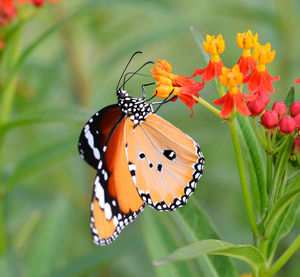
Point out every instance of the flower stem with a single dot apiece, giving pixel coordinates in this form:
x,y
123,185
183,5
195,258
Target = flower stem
x,y
263,143
8,95
243,177
221,90
280,146
207,105
284,257
269,170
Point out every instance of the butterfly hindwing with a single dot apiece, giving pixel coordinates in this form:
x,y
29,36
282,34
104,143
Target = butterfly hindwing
x,y
166,162
107,219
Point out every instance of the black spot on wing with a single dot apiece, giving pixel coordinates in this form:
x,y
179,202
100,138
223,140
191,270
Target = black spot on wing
x,y
169,154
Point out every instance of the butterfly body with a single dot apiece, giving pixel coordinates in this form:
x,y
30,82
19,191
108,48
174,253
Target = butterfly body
x,y
140,158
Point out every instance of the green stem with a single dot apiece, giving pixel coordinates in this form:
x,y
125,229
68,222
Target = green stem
x,y
243,177
269,141
8,95
263,143
269,171
281,145
207,105
281,164
284,257
283,183
221,90
8,99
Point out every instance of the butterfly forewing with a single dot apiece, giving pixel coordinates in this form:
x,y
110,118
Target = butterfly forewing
x,y
115,201
167,163
95,133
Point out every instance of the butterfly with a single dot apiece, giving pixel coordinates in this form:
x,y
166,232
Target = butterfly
x,y
140,158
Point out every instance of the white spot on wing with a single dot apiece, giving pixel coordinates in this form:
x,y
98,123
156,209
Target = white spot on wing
x,y
99,192
116,221
90,139
107,211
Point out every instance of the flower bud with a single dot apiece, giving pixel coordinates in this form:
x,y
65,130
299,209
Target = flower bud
x,y
280,108
269,119
287,125
257,106
38,3
296,144
295,109
297,119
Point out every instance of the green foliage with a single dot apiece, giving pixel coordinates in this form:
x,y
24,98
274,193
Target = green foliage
x,y
195,226
246,253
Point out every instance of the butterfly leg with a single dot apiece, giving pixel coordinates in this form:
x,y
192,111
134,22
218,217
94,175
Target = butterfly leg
x,y
166,100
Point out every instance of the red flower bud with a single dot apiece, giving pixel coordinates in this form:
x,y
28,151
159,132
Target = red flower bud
x,y
297,119
280,108
269,119
257,106
38,3
296,144
295,109
297,81
287,125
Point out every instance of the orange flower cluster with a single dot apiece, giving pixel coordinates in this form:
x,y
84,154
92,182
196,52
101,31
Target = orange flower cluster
x,y
250,71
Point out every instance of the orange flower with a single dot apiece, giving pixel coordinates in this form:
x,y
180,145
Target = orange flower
x,y
234,97
260,77
213,46
177,85
246,41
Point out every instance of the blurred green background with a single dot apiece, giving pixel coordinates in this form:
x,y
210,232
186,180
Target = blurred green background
x,y
72,75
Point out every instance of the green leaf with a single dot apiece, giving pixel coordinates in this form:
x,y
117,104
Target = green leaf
x,y
160,242
247,253
290,97
196,226
256,161
278,209
48,240
199,40
42,159
283,226
280,168
44,116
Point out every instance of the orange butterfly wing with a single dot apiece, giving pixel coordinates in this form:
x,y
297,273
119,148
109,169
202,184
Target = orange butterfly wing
x,y
165,163
115,200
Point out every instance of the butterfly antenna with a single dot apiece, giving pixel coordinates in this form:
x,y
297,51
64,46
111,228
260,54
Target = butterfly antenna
x,y
134,73
135,53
